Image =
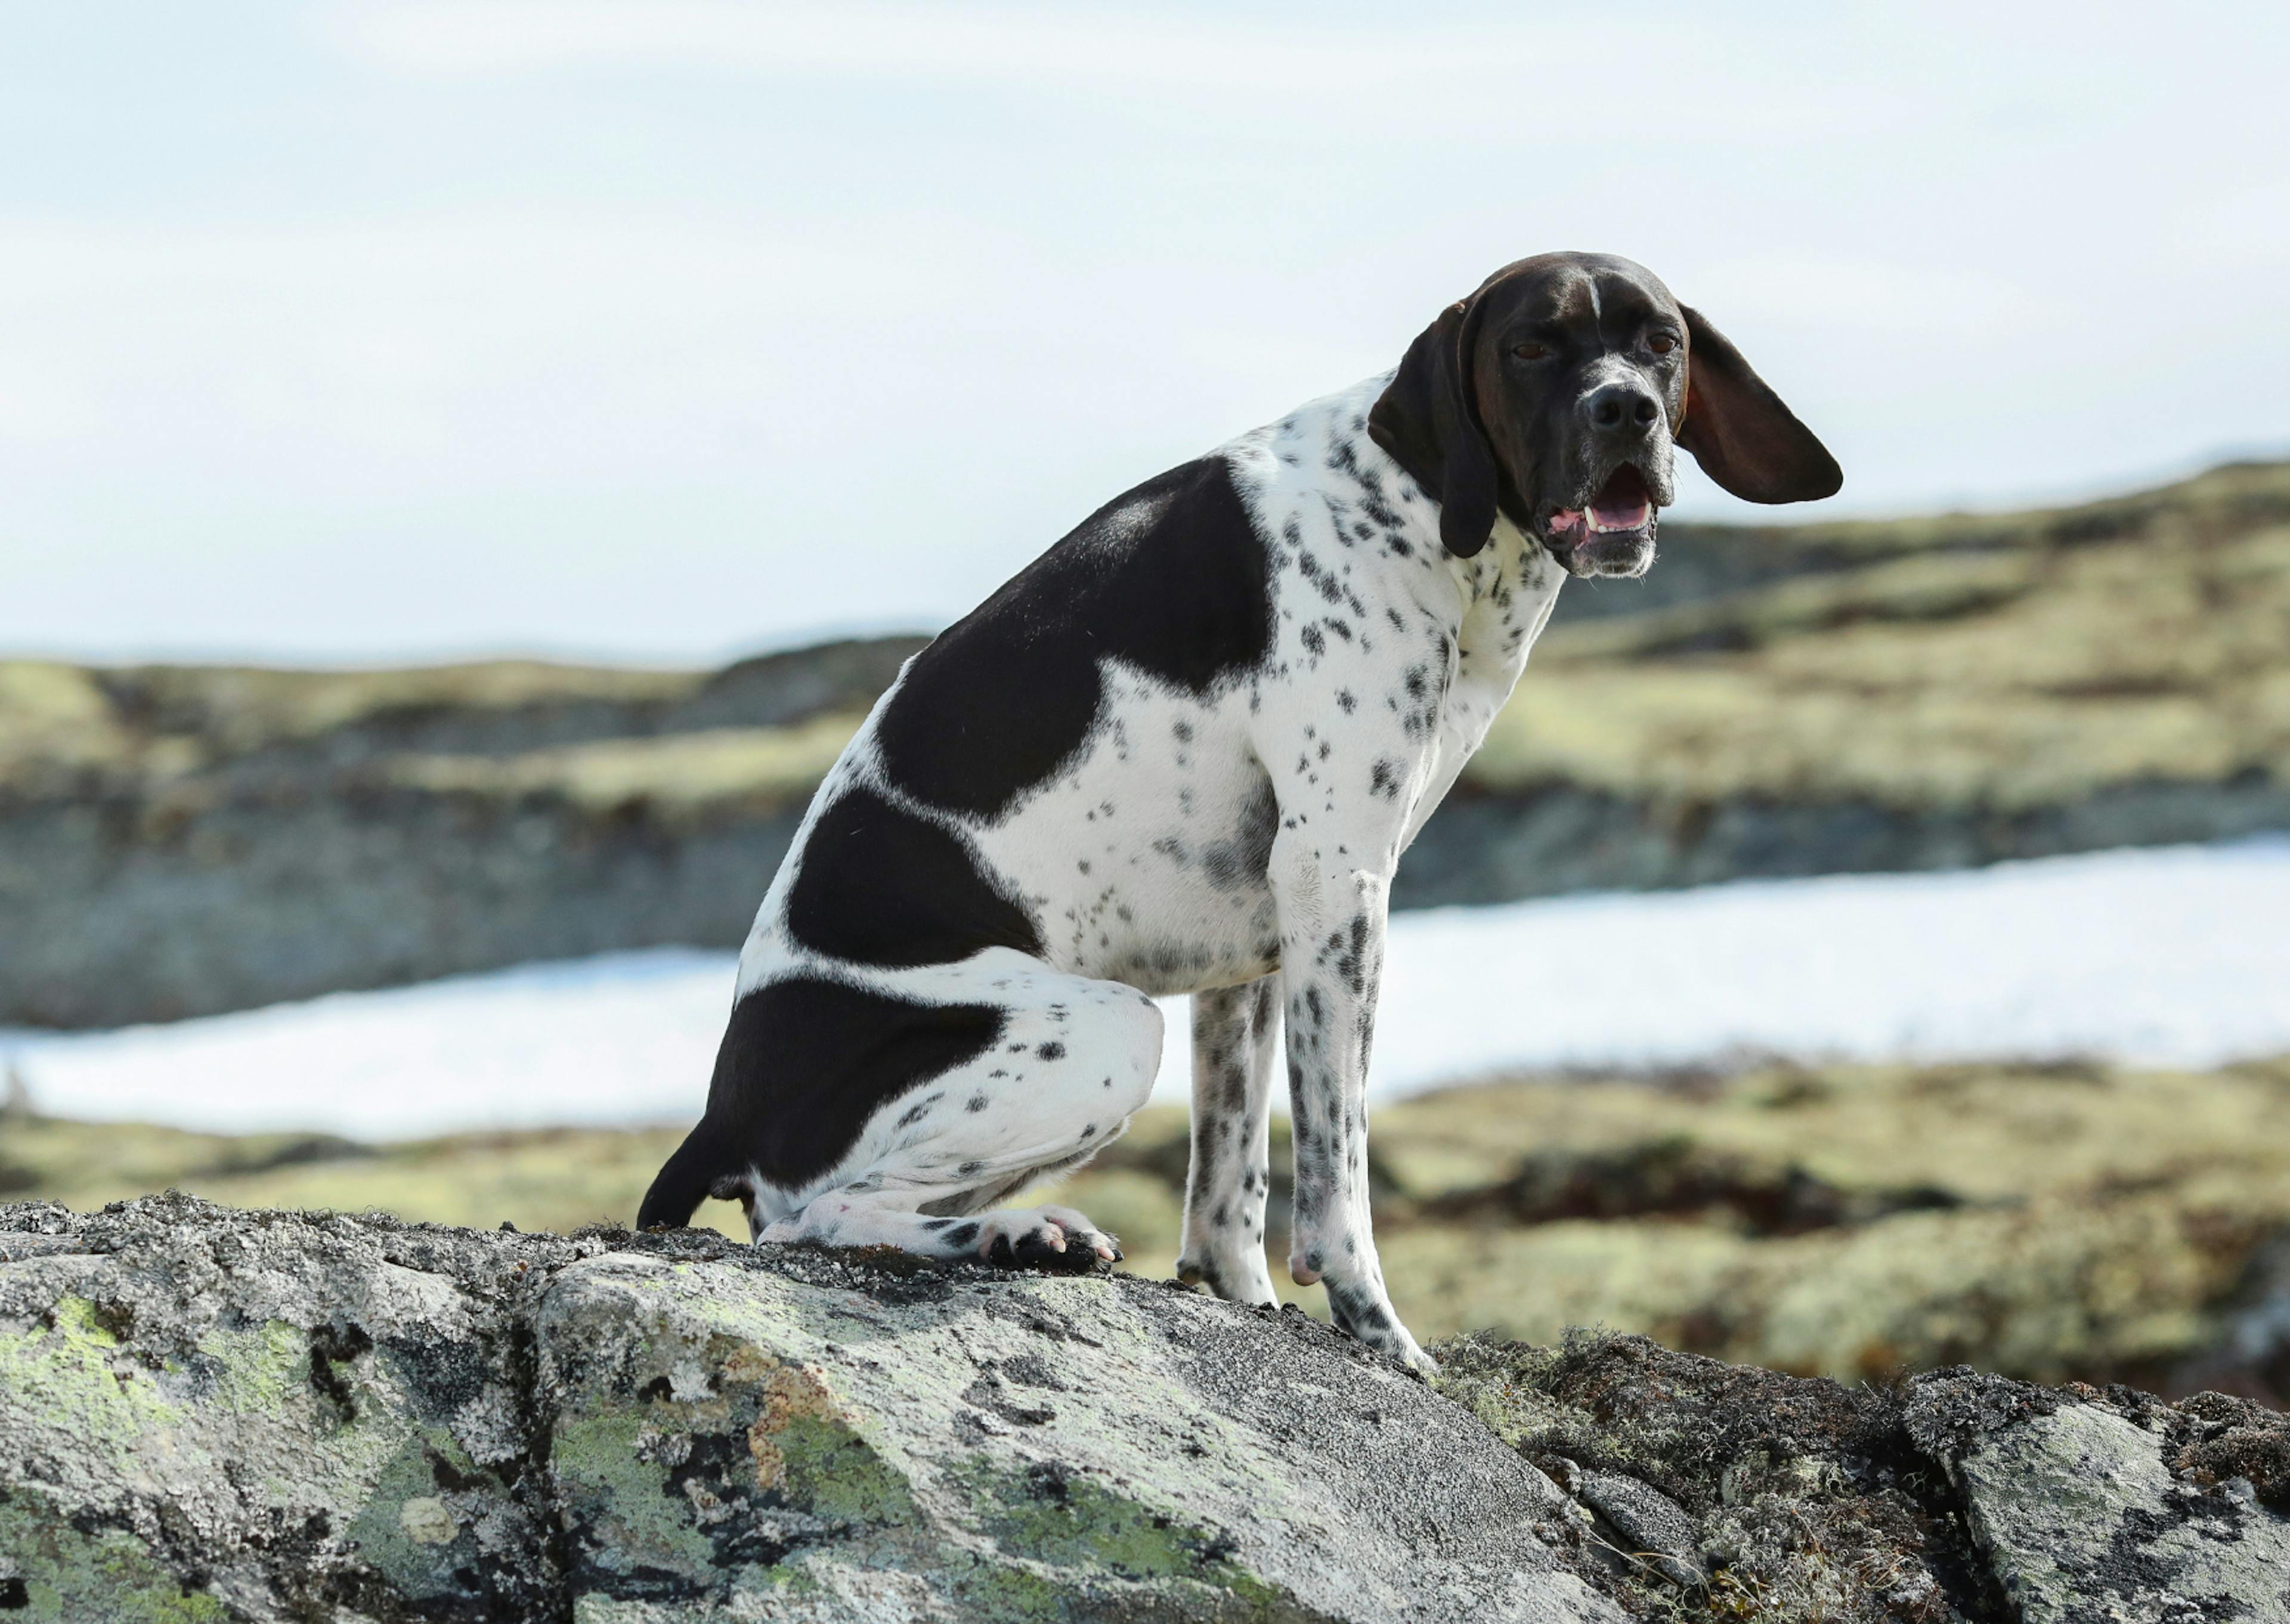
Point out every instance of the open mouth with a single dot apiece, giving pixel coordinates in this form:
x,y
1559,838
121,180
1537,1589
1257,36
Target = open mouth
x,y
1612,534
1623,504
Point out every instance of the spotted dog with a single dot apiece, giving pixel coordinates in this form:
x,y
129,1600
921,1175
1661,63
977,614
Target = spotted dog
x,y
1182,752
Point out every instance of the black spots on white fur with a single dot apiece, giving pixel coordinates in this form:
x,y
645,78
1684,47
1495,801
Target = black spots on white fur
x,y
1385,778
969,1170
1171,578
1392,615
1329,586
1051,1052
1338,628
961,1235
1346,701
976,1103
1315,644
1420,718
1358,1308
1346,952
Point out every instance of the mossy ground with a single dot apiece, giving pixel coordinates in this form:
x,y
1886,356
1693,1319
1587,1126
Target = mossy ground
x,y
2051,1222
1991,662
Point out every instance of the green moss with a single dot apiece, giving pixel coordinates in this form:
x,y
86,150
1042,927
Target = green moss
x,y
63,1376
257,1370
599,1462
418,1566
834,1473
72,1576
680,774
1066,1520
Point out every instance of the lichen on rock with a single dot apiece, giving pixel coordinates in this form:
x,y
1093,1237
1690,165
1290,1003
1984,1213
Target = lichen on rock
x,y
209,1414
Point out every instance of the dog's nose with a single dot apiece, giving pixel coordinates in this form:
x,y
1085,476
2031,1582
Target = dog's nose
x,y
1621,409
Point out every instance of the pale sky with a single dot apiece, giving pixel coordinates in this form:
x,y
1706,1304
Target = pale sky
x,y
657,330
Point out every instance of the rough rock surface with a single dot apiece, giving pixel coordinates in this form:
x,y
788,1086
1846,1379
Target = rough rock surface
x,y
2084,1519
211,1414
215,1414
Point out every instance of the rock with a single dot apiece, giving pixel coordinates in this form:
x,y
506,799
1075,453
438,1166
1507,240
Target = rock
x,y
1954,1497
2082,1519
1657,1531
213,1414
209,1414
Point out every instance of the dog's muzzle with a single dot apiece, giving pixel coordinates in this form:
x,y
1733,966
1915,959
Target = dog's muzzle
x,y
1611,533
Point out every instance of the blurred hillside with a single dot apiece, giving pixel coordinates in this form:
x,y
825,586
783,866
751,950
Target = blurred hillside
x,y
2054,1222
1907,694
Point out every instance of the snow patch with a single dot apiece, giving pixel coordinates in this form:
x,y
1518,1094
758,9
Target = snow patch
x,y
2177,957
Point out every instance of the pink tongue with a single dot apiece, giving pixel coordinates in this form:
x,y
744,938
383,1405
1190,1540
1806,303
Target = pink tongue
x,y
1566,518
1617,515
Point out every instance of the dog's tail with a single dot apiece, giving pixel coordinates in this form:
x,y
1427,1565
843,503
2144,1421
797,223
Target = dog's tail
x,y
688,1178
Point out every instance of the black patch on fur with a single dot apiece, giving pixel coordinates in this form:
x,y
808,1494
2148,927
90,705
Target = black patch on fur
x,y
803,1065
877,886
1171,577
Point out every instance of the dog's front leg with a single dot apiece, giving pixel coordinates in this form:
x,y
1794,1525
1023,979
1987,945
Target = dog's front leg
x,y
1234,1031
1332,917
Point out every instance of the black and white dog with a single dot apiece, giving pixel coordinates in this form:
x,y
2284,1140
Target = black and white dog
x,y
1182,753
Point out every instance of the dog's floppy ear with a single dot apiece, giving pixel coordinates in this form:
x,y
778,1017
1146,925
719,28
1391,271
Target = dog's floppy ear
x,y
1739,430
1427,423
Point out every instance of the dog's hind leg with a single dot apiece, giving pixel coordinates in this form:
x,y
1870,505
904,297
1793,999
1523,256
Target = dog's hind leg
x,y
1012,1236
1074,1059
1235,1032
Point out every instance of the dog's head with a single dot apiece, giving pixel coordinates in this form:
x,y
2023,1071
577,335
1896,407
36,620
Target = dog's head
x,y
1557,394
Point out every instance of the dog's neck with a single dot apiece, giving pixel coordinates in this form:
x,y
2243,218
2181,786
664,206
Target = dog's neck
x,y
1320,461
1512,565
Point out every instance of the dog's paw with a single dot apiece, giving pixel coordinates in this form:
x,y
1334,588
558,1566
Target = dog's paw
x,y
1364,1311
1054,1238
1241,1279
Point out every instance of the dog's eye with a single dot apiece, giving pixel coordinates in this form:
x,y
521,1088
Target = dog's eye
x,y
1661,343
1532,351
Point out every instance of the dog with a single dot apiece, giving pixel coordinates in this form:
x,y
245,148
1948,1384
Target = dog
x,y
1182,752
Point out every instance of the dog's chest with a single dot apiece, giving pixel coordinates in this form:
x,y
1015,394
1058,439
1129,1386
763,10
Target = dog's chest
x,y
1517,588
1145,861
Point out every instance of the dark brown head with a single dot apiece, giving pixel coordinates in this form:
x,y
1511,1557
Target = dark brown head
x,y
1556,393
